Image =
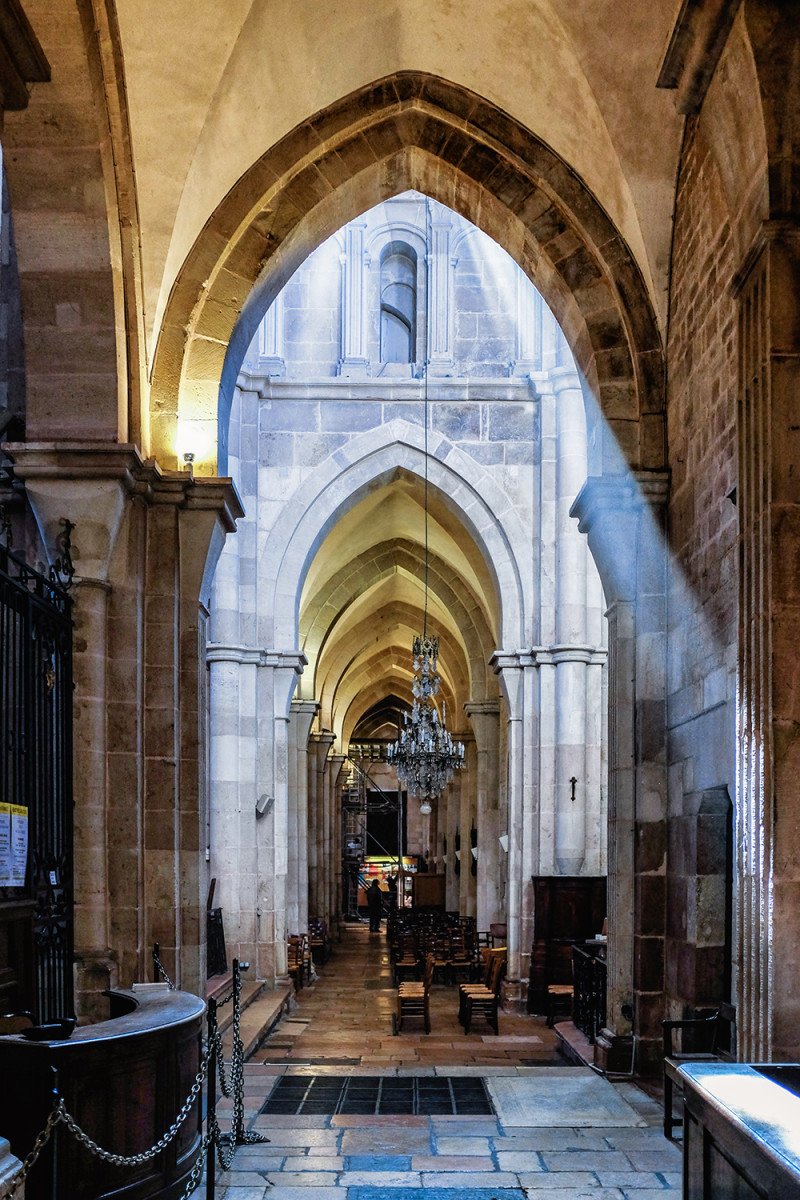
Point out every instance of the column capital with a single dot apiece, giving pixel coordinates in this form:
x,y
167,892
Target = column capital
x,y
610,510
88,483
302,713
320,745
334,765
509,667
484,716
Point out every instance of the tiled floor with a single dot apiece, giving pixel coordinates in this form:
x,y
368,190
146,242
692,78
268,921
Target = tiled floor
x,y
342,1024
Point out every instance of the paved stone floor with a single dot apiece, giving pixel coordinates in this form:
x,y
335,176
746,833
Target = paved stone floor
x,y
342,1025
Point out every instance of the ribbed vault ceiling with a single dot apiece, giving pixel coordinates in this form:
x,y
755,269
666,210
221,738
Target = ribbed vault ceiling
x,y
364,600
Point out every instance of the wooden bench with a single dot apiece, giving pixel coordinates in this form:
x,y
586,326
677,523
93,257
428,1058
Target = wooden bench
x,y
701,1039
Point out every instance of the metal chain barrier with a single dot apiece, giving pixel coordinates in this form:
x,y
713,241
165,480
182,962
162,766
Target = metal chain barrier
x,y
211,1061
159,969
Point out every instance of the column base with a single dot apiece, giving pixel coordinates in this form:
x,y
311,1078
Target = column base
x,y
613,1052
9,1167
514,996
95,973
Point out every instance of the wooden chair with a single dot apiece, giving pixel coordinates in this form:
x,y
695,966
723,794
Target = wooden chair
x,y
559,1002
700,1039
486,982
413,999
320,942
407,959
440,947
295,960
485,1001
462,954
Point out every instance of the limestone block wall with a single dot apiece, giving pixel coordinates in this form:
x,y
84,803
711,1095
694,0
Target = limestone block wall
x,y
704,583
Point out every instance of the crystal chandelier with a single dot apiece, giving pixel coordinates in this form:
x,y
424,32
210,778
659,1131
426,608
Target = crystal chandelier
x,y
425,755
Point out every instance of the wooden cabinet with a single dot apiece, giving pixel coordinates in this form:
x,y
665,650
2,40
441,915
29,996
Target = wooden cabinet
x,y
428,891
567,909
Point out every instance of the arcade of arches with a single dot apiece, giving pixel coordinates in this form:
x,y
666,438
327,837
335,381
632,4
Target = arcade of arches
x,y
557,245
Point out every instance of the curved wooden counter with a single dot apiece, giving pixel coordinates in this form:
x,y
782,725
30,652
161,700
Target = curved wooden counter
x,y
124,1081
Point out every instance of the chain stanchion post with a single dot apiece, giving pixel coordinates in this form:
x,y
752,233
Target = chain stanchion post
x,y
156,962
55,1097
211,1100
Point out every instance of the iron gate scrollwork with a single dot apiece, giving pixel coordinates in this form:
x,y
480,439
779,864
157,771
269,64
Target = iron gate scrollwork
x,y
36,773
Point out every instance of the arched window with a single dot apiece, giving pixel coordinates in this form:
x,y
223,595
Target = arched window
x,y
398,303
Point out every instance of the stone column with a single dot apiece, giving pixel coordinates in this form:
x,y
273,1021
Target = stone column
x,y
318,749
334,769
326,863
303,713
619,516
354,361
271,340
278,680
528,327
570,655
768,702
87,485
439,293
485,719
517,674
139,725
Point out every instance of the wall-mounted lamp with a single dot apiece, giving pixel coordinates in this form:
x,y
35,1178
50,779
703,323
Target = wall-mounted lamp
x,y
503,840
263,804
474,850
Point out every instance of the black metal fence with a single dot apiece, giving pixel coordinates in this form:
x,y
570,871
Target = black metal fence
x,y
589,998
36,788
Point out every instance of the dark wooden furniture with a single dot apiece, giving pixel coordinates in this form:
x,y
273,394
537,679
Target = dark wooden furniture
x,y
699,1039
124,1081
428,891
567,909
740,1131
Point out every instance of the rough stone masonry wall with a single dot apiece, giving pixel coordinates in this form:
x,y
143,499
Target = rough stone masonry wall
x,y
703,584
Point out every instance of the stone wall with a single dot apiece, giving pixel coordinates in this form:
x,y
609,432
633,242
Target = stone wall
x,y
719,201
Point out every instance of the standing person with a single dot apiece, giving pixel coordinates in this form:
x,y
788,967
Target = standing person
x,y
374,903
391,883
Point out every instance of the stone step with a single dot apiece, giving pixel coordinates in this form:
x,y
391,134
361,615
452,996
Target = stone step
x,y
262,1007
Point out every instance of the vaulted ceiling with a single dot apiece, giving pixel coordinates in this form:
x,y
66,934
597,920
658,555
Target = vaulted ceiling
x,y
210,87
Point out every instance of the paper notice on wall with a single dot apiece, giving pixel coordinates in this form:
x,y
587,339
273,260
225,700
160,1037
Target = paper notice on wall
x,y
5,845
19,845
13,845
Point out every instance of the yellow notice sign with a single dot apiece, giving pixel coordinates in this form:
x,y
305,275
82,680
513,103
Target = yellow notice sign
x,y
13,844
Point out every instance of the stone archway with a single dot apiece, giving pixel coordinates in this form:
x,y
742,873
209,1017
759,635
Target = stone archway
x,y
411,130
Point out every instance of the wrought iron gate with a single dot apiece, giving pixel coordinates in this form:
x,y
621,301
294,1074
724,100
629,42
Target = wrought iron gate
x,y
35,787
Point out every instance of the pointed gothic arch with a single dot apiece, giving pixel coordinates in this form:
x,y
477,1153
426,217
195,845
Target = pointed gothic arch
x,y
412,130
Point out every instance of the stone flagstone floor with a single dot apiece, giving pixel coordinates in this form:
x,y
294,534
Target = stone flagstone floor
x,y
342,1025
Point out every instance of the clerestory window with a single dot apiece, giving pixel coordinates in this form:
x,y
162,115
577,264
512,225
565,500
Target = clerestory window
x,y
398,304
